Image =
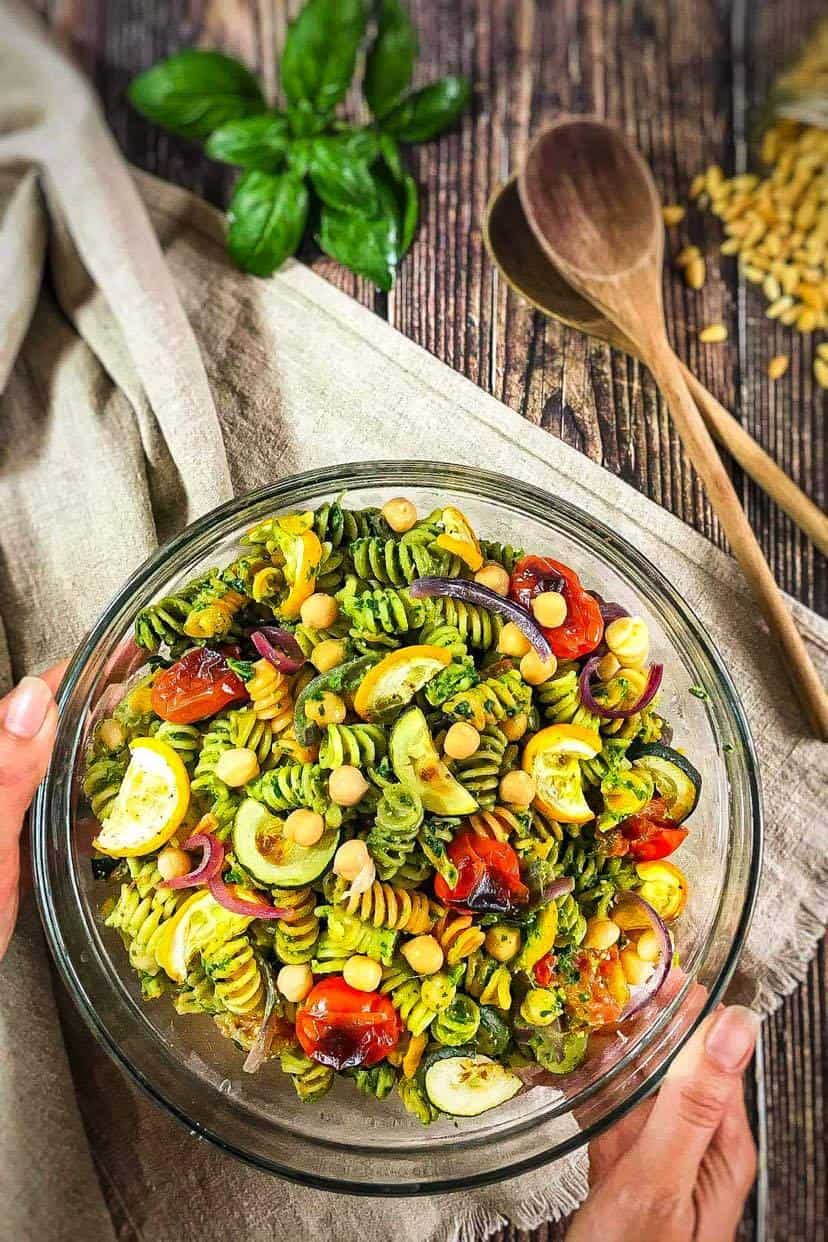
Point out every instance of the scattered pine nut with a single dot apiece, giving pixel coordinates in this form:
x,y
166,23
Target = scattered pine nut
x,y
821,372
697,185
822,351
713,334
673,214
777,366
695,273
687,255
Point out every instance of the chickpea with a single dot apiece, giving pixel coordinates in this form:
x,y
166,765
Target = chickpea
x,y
400,514
362,973
319,611
536,671
295,982
502,942
329,708
607,666
494,577
423,954
549,609
629,640
540,1007
635,970
513,641
347,785
304,827
112,735
173,862
462,740
328,654
237,766
517,788
648,947
514,727
351,858
601,934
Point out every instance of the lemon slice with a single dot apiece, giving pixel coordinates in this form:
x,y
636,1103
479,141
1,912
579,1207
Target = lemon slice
x,y
396,679
459,539
197,922
150,804
552,758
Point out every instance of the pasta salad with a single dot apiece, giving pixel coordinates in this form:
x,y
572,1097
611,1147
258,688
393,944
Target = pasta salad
x,y
393,802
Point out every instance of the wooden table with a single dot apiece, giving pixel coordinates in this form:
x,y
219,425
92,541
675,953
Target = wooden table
x,y
686,79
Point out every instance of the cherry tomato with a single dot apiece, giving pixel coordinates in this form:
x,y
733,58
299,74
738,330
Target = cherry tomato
x,y
544,969
195,687
598,995
583,628
342,1027
488,875
651,834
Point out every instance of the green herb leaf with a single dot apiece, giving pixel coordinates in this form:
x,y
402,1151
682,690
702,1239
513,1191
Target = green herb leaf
x,y
428,112
253,142
368,245
267,216
243,669
392,156
405,188
195,92
390,62
319,59
342,180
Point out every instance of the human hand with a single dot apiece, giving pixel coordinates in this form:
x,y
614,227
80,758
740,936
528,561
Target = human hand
x,y
28,719
679,1167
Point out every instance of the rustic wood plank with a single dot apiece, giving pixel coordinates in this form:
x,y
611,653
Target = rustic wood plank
x,y
686,80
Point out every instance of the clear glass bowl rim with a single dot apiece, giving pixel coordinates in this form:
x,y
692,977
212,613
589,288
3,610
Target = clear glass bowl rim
x,y
493,487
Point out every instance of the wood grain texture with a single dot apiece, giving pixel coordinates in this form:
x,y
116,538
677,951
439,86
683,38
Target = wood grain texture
x,y
687,81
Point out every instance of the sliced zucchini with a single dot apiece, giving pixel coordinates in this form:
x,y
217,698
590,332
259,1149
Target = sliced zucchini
x,y
493,1034
674,777
417,765
465,1086
271,858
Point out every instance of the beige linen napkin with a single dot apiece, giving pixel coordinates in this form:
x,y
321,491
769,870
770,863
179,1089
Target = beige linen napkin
x,y
111,429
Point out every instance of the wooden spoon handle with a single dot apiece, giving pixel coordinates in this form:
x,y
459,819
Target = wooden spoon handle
x,y
755,461
666,368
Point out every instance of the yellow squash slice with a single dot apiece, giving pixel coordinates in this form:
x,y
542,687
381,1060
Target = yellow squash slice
x,y
393,682
150,804
552,758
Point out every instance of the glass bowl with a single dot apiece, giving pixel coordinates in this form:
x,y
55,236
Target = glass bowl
x,y
348,1142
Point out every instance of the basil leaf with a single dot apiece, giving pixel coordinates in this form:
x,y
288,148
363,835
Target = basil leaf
x,y
405,188
319,58
390,62
195,92
252,142
267,216
392,156
369,246
342,180
428,112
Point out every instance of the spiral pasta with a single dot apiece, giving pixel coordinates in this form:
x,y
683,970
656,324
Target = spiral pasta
x,y
185,739
394,563
293,785
458,936
498,822
434,837
295,941
378,1081
386,905
481,772
357,744
490,701
235,974
415,1101
488,981
393,837
163,622
310,1079
571,922
383,610
346,934
102,781
270,696
212,611
253,734
479,628
503,553
458,1024
441,634
139,912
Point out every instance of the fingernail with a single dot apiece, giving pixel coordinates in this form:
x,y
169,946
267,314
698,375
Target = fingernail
x,y
27,706
732,1038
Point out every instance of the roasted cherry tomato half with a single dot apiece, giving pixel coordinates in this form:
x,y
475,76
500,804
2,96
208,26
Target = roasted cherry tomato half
x,y
583,628
342,1027
195,687
544,969
599,994
651,833
488,875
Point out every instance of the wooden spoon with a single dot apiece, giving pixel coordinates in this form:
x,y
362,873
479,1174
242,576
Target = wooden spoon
x,y
525,266
593,207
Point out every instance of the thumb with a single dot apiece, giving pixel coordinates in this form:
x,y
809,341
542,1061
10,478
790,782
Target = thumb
x,y
28,718
697,1093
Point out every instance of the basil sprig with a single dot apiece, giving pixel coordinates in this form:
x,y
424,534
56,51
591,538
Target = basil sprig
x,y
304,163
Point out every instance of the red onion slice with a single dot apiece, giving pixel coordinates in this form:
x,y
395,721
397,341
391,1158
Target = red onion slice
x,y
258,1053
644,994
279,648
226,897
485,597
210,865
617,713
